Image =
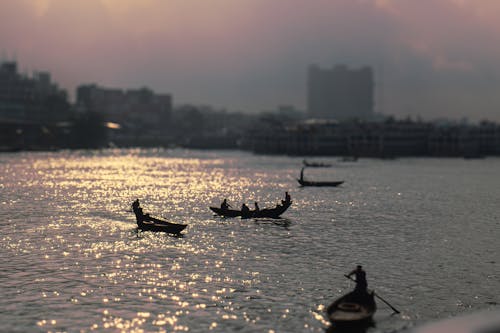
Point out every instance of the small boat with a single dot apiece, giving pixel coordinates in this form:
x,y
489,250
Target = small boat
x,y
309,183
225,212
316,164
354,308
303,182
154,224
272,213
145,222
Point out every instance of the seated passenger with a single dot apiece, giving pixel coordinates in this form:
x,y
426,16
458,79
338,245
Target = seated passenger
x,y
224,205
287,200
244,209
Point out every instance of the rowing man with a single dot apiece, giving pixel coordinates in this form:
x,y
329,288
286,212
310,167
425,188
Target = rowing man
x,y
360,276
224,205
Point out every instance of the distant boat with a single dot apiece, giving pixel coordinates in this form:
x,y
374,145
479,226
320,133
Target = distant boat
x,y
316,164
303,182
355,308
145,222
156,225
272,213
319,184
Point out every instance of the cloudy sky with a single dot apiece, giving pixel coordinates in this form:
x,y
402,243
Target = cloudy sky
x,y
432,58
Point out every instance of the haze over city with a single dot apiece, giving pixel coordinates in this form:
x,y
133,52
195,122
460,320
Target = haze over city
x,y
431,58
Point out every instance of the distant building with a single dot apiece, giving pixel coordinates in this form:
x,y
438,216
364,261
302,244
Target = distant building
x,y
32,110
285,112
340,93
125,106
24,99
141,114
387,139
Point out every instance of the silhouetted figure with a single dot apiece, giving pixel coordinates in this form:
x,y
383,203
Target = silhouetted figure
x,y
302,174
256,206
287,200
139,215
245,210
136,207
360,275
135,204
224,205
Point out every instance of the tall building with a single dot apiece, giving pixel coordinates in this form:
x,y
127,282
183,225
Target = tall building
x,y
140,116
30,99
133,108
340,93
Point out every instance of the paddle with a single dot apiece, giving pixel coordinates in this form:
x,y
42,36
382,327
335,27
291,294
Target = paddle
x,y
376,295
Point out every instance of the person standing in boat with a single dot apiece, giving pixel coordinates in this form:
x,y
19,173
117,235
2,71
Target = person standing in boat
x,y
360,275
256,206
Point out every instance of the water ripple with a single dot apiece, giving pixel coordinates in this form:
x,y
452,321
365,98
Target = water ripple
x,y
71,259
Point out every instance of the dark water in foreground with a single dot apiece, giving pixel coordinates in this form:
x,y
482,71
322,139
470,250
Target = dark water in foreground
x,y
426,230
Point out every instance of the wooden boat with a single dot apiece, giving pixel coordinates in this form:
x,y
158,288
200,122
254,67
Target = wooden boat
x,y
145,222
226,212
316,164
354,308
310,183
303,182
272,213
156,225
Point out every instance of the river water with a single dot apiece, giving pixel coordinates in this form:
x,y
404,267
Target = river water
x,y
426,230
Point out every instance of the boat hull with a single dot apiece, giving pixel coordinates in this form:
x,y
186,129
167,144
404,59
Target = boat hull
x,y
319,184
149,223
225,212
317,165
272,213
355,308
171,228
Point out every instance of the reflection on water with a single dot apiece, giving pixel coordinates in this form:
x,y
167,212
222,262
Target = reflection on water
x,y
71,258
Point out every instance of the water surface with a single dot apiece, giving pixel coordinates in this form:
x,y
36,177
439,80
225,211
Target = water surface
x,y
426,231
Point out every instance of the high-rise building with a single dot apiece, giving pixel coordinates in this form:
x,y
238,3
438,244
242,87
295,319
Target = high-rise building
x,y
340,93
136,106
30,99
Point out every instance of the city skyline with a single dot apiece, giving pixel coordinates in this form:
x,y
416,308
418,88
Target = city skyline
x,y
433,58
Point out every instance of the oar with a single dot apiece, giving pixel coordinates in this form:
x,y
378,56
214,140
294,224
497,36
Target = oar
x,y
376,295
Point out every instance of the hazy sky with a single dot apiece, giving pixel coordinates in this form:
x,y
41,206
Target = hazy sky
x,y
431,57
